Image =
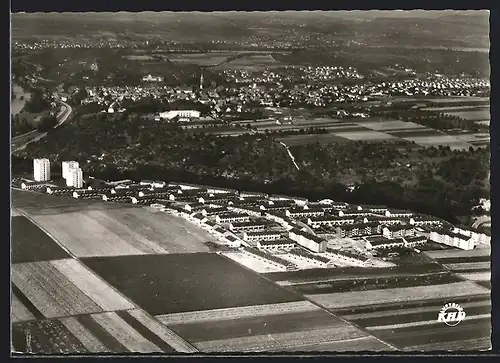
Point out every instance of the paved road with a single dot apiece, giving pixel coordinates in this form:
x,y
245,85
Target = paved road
x,y
20,142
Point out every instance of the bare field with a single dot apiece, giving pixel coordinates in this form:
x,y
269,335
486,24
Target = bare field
x,y
64,288
125,231
237,312
347,299
368,344
108,332
19,311
281,342
471,115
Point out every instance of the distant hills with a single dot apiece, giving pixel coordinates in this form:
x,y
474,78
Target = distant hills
x,y
418,27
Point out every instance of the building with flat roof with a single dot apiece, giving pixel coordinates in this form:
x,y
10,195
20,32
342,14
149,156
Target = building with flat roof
x,y
41,169
169,115
74,178
66,166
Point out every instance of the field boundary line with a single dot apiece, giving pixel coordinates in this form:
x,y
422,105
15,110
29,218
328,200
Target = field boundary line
x,y
320,306
421,323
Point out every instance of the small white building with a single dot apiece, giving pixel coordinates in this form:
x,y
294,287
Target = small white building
x,y
169,115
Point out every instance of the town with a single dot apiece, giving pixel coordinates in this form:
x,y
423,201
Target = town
x,y
287,233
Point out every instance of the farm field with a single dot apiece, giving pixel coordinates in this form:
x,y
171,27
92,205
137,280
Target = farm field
x,y
292,326
124,231
109,332
452,253
294,140
364,135
252,263
351,273
30,243
412,325
472,115
163,284
367,284
445,140
203,59
394,295
390,125
61,288
415,133
259,61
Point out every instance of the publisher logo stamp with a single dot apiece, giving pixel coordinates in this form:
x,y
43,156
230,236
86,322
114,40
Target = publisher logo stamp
x,y
451,314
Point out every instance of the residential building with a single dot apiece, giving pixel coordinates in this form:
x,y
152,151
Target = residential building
x,y
476,235
169,115
74,178
301,212
450,238
247,226
41,169
425,221
307,240
278,244
261,236
381,242
230,217
416,241
398,213
66,166
316,222
398,231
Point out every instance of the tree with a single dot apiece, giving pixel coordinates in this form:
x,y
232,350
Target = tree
x,y
46,123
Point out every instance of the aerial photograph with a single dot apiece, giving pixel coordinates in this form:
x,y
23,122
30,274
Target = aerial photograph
x,y
250,182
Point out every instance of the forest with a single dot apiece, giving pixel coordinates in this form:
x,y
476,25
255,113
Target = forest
x,y
435,180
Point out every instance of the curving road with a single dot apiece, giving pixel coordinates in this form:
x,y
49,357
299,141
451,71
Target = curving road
x,y
20,142
290,155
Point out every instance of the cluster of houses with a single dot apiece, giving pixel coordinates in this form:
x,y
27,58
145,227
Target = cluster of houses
x,y
277,224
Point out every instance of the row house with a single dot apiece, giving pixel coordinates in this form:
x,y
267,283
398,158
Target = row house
x,y
199,219
348,257
399,213
247,226
278,244
477,236
304,213
452,239
412,242
321,261
194,207
386,221
218,199
377,209
425,221
358,229
380,242
261,236
246,194
307,240
153,183
213,211
143,200
118,198
354,213
82,192
231,217
299,201
330,221
251,211
398,231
